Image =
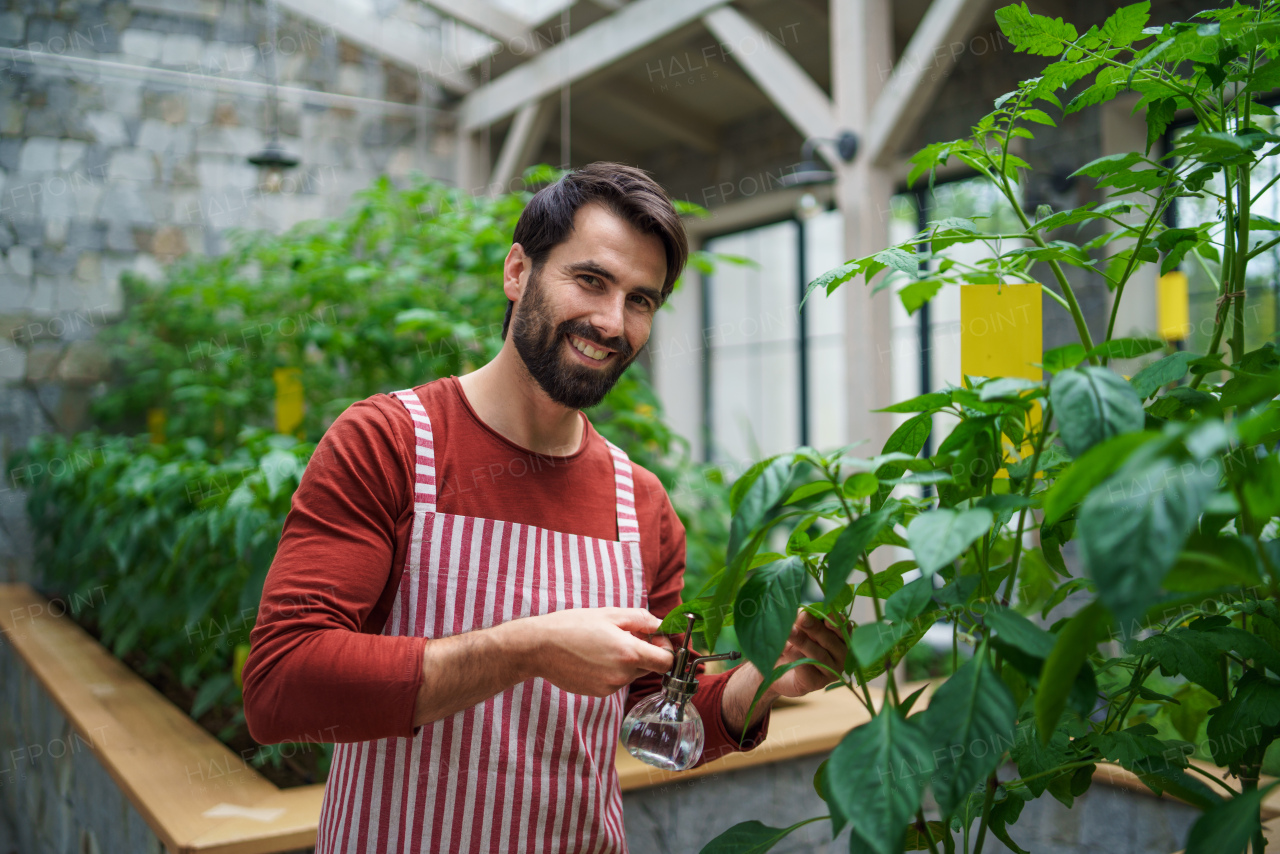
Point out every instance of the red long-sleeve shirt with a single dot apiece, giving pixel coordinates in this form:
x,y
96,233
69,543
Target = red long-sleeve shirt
x,y
319,668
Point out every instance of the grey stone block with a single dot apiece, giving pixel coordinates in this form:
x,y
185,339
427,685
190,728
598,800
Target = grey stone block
x,y
10,153
107,127
12,28
46,34
87,235
136,165
21,262
39,155
123,202
54,262
142,44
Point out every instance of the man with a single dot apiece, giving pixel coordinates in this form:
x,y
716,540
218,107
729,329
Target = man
x,y
470,580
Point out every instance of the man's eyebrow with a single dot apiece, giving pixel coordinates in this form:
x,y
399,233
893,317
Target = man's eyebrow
x,y
594,268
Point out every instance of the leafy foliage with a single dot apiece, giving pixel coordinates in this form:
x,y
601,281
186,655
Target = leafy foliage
x,y
1167,481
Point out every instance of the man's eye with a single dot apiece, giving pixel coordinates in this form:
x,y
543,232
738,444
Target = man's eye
x,y
591,280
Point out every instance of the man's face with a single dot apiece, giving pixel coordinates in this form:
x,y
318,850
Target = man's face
x,y
585,315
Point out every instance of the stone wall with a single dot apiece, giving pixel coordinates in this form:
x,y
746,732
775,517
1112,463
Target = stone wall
x,y
108,165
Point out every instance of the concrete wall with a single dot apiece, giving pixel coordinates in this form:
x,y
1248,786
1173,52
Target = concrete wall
x,y
681,817
103,169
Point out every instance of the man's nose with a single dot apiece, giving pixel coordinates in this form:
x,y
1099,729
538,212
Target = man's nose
x,y
609,318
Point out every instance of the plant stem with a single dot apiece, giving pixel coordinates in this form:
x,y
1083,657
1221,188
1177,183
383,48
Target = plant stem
x,y
1156,211
987,800
1022,513
1191,766
933,846
1082,328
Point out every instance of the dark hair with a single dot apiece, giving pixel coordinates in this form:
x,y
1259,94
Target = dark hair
x,y
626,191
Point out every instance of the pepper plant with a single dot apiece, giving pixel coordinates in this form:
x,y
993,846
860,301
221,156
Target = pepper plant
x,y
1166,482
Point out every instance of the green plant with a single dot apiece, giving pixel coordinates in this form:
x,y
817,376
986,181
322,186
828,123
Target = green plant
x,y
1168,483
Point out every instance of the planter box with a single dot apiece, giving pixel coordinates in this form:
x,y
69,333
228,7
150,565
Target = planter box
x,y
94,760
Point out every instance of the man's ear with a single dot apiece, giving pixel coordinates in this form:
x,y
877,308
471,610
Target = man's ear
x,y
515,272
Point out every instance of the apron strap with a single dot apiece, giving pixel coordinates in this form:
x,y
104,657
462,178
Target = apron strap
x,y
424,478
628,523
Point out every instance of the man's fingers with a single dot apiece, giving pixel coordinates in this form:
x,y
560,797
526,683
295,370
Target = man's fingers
x,y
655,659
636,620
826,637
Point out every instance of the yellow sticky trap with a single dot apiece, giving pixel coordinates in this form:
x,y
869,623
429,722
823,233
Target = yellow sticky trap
x,y
155,425
1002,335
240,656
290,404
1173,315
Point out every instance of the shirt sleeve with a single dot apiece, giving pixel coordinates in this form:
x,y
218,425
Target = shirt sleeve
x,y
315,671
664,597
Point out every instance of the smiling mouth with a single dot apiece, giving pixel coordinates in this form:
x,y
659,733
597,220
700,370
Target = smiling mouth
x,y
587,349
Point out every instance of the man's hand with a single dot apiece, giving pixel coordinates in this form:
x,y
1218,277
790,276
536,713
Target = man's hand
x,y
598,651
810,638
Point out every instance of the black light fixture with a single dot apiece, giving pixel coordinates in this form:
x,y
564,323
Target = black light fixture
x,y
810,171
273,160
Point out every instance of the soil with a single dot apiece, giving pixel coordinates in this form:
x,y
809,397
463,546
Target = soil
x,y
300,767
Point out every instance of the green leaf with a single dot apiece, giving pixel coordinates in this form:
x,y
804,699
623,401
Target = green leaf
x,y
861,485
210,693
1191,710
1126,348
1126,24
763,492
808,490
931,402
766,608
1148,381
1133,525
853,541
1183,652
918,293
1097,464
1061,358
1034,34
1075,641
1016,630
908,439
1228,827
875,776
1093,404
1035,755
871,642
940,536
750,837
970,722
907,603
1240,729
832,279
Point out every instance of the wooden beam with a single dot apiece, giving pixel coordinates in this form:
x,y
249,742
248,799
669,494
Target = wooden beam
x,y
861,39
489,19
628,99
400,41
915,80
524,139
597,46
779,76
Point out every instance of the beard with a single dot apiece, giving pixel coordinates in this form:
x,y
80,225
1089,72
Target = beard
x,y
539,340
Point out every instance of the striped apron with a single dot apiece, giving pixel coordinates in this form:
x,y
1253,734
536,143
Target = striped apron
x,y
531,769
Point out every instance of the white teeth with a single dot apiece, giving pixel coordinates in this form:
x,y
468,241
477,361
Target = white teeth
x,y
583,347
